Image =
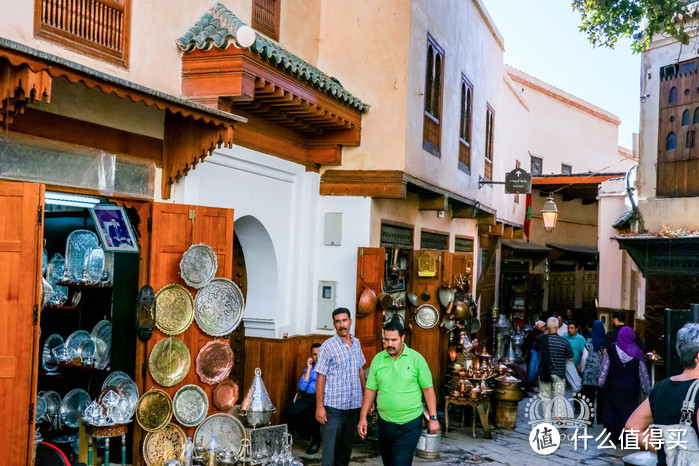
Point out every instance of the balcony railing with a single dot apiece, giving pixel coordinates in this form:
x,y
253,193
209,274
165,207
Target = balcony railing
x,y
98,28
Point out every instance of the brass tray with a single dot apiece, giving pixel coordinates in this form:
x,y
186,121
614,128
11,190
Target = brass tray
x,y
219,307
154,410
198,265
214,362
174,309
190,405
169,362
228,429
163,445
225,395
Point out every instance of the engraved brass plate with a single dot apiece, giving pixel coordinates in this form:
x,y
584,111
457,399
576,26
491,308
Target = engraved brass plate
x,y
163,445
169,362
174,309
219,307
154,410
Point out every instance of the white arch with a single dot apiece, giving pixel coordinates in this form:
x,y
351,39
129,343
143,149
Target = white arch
x,y
262,273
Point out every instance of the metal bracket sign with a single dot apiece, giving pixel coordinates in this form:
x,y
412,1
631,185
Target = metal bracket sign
x,y
518,181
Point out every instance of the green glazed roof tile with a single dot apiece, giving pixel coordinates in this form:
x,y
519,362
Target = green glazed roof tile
x,y
217,29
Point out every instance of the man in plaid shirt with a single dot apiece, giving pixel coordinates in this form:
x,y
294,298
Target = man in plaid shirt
x,y
339,388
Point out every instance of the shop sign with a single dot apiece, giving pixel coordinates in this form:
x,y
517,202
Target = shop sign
x,y
518,181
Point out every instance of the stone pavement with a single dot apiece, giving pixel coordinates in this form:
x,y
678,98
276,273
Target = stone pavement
x,y
507,447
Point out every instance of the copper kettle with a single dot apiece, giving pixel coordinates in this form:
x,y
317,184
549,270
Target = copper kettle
x,y
367,302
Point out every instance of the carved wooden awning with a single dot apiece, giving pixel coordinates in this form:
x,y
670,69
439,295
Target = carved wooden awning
x,y
288,117
192,130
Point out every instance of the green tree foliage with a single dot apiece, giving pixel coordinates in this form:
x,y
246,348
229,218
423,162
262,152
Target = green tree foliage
x,y
605,21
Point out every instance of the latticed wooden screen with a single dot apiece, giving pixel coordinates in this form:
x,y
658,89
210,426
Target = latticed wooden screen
x,y
265,17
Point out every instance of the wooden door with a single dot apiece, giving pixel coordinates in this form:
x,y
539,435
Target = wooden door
x,y
370,273
175,228
21,232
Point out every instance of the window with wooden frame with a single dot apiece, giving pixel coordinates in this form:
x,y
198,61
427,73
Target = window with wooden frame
x,y
433,97
434,240
97,28
566,169
489,136
265,17
465,126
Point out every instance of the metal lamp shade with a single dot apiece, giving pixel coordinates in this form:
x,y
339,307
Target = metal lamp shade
x,y
549,213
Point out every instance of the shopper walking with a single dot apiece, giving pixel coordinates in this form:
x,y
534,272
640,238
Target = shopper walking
x,y
398,378
590,379
554,351
339,388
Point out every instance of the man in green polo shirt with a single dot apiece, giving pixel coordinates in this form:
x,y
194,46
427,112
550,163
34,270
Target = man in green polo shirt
x,y
399,376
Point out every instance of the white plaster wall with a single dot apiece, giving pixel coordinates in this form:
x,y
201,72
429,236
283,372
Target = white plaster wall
x,y
279,220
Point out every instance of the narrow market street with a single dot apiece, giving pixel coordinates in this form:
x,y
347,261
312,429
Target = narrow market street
x,y
507,447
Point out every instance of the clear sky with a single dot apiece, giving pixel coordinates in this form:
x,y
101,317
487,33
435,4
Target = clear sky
x,y
542,39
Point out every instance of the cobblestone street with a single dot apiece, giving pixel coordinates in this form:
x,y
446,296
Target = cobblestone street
x,y
507,447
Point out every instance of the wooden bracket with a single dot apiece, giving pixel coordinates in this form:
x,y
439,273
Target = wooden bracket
x,y
432,202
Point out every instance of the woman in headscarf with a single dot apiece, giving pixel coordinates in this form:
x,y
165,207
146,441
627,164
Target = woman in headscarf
x,y
623,374
590,378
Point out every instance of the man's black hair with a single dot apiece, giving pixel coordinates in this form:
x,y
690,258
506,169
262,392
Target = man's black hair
x,y
394,325
342,310
619,314
315,345
572,322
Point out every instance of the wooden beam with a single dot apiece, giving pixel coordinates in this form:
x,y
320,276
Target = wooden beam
x,y
433,202
484,241
387,184
518,233
485,218
508,232
483,229
497,229
464,212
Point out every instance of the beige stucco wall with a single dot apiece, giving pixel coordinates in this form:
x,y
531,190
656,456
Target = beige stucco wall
x,y
576,225
364,44
675,212
155,59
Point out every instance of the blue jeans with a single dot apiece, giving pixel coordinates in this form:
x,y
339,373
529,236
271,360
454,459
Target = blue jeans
x,y
397,442
338,435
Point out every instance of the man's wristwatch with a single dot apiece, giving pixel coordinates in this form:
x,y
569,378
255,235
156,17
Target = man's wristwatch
x,y
433,418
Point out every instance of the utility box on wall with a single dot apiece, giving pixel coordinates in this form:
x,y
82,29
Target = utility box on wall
x,y
327,292
333,229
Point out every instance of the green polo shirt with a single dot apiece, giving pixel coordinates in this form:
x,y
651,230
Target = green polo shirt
x,y
399,383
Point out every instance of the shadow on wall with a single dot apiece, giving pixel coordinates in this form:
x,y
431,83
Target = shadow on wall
x,y
261,268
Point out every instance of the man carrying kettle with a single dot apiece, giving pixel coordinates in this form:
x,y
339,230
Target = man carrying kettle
x,y
339,390
398,378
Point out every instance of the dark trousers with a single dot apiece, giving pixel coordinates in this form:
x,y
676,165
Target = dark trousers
x,y
301,417
338,435
592,393
397,442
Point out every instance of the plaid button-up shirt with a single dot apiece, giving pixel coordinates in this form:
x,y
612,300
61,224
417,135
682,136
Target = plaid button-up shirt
x,y
340,364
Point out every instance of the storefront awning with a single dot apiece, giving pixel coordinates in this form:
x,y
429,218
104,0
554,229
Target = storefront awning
x,y
513,250
572,252
192,131
663,256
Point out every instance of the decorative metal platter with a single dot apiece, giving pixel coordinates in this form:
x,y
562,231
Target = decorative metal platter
x,y
225,394
190,405
163,445
228,429
265,442
75,339
198,265
154,410
126,386
73,406
219,307
78,246
102,336
53,404
48,360
174,309
169,361
427,316
214,362
41,407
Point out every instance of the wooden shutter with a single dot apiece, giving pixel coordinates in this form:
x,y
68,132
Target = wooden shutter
x,y
21,233
370,272
175,227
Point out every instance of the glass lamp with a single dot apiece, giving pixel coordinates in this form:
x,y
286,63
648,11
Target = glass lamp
x,y
549,212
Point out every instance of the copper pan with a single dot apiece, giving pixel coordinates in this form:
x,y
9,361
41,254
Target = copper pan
x,y
367,302
384,299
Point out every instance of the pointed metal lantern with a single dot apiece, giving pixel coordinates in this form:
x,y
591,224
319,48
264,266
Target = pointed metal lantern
x,y
256,408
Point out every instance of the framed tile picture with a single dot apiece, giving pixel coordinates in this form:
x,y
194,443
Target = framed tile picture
x,y
114,228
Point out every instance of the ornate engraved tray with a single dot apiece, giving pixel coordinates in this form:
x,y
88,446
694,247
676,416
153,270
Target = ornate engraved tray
x,y
163,445
228,429
219,307
427,316
266,441
225,394
190,405
214,361
169,362
174,309
198,265
154,410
